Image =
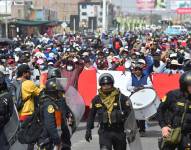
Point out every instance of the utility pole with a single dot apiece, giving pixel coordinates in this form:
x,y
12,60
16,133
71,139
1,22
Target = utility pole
x,y
92,24
74,22
6,22
104,15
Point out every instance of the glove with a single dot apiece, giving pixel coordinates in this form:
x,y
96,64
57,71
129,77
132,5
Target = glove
x,y
88,135
57,147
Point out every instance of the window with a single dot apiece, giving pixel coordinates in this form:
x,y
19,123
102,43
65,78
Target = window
x,y
84,13
84,20
19,13
84,6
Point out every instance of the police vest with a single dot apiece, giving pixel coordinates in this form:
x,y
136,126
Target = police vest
x,y
116,115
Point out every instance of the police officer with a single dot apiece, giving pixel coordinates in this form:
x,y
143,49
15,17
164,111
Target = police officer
x,y
171,110
112,108
6,109
54,73
56,114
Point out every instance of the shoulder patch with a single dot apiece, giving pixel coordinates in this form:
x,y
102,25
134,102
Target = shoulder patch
x,y
164,98
98,105
51,109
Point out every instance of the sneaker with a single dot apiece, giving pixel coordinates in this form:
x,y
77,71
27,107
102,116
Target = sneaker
x,y
142,133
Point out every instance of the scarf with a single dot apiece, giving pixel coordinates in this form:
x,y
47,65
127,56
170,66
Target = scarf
x,y
109,100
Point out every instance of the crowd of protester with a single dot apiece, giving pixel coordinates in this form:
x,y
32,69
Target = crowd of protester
x,y
154,52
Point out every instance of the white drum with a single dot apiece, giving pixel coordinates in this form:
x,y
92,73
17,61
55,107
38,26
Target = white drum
x,y
145,103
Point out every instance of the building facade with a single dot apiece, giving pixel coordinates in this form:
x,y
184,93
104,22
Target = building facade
x,y
90,14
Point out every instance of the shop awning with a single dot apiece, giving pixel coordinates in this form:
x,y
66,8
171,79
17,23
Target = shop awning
x,y
35,22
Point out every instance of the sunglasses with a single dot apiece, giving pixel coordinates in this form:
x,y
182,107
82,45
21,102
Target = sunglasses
x,y
138,69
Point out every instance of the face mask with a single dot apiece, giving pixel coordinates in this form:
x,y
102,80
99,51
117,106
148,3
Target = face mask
x,y
156,63
42,67
69,68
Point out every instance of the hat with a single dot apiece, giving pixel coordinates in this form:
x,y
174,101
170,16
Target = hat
x,y
40,61
51,55
85,54
173,55
137,66
175,62
50,63
18,49
141,61
137,53
115,59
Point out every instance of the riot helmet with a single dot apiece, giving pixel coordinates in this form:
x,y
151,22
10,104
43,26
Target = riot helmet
x,y
185,81
106,78
53,85
54,73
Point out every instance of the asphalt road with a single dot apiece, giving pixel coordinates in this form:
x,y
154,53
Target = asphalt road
x,y
149,142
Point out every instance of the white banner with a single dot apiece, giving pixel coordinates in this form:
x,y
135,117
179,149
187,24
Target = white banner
x,y
121,80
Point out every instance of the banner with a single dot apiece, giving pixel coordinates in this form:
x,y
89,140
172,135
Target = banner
x,y
87,85
145,4
163,83
121,80
183,11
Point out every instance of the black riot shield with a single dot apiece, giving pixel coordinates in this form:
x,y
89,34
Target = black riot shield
x,y
19,146
10,131
74,101
12,127
132,132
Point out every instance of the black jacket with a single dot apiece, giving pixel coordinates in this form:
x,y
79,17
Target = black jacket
x,y
6,110
97,107
50,127
171,110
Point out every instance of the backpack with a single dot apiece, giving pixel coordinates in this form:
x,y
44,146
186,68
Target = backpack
x,y
31,128
18,94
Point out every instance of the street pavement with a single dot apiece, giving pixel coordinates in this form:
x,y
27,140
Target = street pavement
x,y
150,142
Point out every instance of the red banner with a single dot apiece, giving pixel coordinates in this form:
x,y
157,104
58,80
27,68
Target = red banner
x,y
183,11
87,85
163,83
